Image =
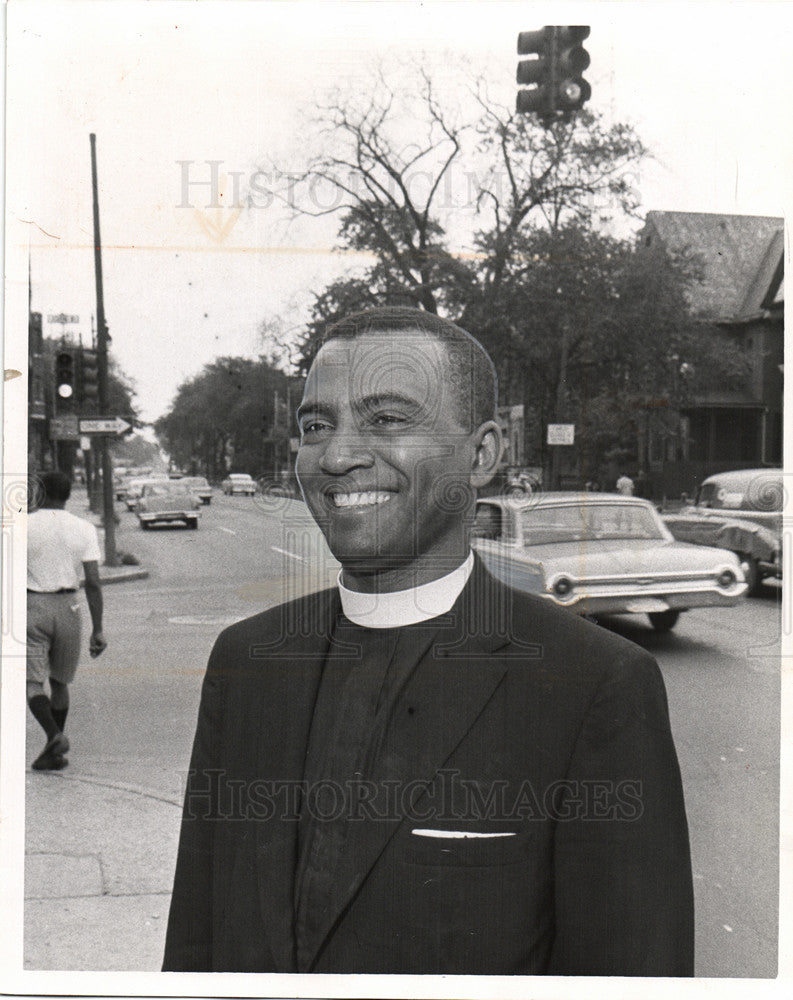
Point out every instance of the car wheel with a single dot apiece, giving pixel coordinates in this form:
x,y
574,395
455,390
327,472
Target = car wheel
x,y
192,522
145,525
663,621
751,574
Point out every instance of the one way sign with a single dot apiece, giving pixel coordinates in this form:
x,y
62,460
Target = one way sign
x,y
104,425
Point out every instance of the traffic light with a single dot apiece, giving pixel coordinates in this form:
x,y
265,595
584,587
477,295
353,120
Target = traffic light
x,y
64,379
89,378
553,74
535,73
572,90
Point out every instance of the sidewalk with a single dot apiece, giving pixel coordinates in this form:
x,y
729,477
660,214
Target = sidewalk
x,y
98,855
98,873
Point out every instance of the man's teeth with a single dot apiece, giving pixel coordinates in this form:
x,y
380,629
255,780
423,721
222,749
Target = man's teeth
x,y
360,499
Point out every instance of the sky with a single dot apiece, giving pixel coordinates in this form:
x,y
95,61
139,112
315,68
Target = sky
x,y
167,87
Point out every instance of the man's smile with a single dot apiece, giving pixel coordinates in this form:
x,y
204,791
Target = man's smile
x,y
371,498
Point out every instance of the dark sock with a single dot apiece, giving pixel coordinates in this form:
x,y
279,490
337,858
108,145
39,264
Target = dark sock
x,y
41,708
59,714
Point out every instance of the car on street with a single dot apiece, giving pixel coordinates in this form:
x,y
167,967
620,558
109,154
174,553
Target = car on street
x,y
134,489
167,501
740,511
600,554
199,486
238,482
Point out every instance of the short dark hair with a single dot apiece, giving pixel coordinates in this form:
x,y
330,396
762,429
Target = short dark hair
x,y
56,486
471,372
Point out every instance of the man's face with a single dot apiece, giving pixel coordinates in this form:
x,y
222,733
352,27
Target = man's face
x,y
385,461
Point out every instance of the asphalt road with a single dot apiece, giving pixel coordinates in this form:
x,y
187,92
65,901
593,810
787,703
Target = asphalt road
x,y
134,708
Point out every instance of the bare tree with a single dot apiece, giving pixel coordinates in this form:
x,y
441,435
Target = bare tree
x,y
383,169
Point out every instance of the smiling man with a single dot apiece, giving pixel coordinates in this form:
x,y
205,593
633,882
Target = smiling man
x,y
421,770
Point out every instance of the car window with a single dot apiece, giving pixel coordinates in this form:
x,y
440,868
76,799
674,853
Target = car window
x,y
487,523
588,522
760,492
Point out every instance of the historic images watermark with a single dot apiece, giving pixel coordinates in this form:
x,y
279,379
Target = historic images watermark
x,y
448,797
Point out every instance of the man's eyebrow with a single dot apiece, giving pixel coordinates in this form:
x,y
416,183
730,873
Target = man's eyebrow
x,y
375,399
312,407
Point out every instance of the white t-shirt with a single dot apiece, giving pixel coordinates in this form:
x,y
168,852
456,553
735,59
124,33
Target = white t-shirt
x,y
58,545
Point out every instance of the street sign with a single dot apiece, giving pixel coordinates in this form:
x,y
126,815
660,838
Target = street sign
x,y
62,318
64,428
561,433
104,425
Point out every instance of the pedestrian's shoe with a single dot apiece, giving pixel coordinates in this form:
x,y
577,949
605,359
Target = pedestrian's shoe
x,y
52,756
56,762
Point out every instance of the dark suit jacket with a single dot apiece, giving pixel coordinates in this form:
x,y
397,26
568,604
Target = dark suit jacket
x,y
520,718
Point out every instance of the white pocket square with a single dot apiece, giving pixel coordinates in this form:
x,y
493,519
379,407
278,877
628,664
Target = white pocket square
x,y
459,834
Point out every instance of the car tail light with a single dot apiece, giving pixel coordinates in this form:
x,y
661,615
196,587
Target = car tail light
x,y
726,579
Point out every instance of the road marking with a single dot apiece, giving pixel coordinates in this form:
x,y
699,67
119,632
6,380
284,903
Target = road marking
x,y
286,553
216,620
227,530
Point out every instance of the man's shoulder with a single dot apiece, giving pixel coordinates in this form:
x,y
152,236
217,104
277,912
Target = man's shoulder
x,y
565,643
298,617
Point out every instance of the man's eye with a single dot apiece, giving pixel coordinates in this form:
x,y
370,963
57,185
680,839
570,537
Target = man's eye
x,y
387,419
314,427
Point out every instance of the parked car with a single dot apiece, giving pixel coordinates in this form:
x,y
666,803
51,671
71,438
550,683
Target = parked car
x,y
598,554
199,486
238,482
740,511
167,501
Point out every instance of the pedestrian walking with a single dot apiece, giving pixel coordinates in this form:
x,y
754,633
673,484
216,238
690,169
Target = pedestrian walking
x,y
625,485
59,546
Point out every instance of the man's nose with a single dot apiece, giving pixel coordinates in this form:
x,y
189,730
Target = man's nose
x,y
344,452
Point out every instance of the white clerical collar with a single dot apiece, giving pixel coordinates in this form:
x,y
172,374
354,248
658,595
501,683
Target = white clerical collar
x,y
405,607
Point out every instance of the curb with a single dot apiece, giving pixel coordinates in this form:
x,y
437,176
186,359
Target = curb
x,y
123,577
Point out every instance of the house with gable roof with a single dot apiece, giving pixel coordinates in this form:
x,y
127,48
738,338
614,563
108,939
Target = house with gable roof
x,y
741,293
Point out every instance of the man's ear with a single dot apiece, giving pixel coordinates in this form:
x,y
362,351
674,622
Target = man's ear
x,y
489,445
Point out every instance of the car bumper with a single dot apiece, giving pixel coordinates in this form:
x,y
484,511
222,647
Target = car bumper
x,y
171,515
650,601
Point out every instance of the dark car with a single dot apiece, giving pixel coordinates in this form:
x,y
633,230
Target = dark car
x,y
740,511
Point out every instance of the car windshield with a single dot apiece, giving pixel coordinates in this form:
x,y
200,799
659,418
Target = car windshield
x,y
166,490
760,492
192,482
587,522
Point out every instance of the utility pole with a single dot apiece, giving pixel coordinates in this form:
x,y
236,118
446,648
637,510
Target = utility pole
x,y
561,406
102,338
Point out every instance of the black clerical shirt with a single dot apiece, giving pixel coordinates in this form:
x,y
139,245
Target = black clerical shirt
x,y
363,675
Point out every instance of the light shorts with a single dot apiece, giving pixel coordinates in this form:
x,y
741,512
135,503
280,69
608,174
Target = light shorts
x,y
53,636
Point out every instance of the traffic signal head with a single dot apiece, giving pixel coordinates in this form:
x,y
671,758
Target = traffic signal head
x,y
89,377
553,74
64,378
535,73
572,90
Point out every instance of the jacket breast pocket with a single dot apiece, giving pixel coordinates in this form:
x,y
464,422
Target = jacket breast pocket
x,y
482,849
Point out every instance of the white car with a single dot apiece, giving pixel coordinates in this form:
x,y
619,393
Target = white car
x,y
238,482
167,501
599,554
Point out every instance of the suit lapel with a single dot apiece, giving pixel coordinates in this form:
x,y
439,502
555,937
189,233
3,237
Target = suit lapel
x,y
285,707
455,677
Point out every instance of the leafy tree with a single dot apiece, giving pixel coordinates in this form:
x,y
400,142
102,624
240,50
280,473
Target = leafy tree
x,y
582,327
232,417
